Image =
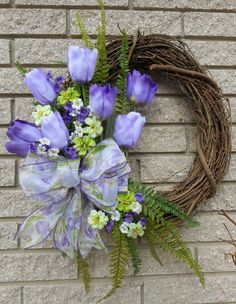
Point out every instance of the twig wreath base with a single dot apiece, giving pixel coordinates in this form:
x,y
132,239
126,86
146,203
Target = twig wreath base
x,y
172,56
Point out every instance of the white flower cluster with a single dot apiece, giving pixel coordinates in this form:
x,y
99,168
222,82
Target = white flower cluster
x,y
40,113
132,230
44,150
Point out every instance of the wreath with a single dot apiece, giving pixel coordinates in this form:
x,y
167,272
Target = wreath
x,y
77,151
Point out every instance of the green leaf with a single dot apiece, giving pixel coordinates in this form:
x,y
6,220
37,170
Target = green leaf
x,y
134,253
102,68
84,273
167,236
118,260
122,104
157,206
83,32
20,68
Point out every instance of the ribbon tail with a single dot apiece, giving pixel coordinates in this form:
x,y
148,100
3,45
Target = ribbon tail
x,y
67,229
37,227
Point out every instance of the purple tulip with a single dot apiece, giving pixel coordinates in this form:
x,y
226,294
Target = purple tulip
x,y
82,63
140,88
128,218
128,128
41,86
102,100
22,135
54,128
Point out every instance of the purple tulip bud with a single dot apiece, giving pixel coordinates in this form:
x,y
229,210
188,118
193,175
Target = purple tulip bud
x,y
22,135
102,100
54,128
139,197
141,88
128,128
40,86
109,226
82,63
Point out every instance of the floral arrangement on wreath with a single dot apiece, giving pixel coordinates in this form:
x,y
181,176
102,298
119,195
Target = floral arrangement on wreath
x,y
76,163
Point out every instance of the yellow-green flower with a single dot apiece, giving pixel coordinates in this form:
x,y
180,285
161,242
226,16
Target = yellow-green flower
x,y
40,113
69,95
125,201
83,144
94,127
97,219
135,230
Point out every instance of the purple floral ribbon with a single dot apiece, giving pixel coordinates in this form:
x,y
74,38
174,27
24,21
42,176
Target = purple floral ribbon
x,y
69,192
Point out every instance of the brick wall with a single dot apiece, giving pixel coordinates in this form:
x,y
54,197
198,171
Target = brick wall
x,y
37,33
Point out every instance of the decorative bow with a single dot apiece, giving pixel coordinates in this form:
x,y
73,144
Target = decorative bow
x,y
69,191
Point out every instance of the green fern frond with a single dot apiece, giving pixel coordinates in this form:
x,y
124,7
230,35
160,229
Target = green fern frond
x,y
134,253
151,245
84,273
156,206
118,260
169,239
102,68
83,32
122,104
20,68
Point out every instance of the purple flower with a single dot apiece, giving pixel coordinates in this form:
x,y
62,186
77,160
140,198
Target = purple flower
x,y
128,128
22,135
143,221
102,100
129,218
109,226
40,86
54,128
141,88
139,197
67,118
82,114
68,107
58,82
71,152
82,63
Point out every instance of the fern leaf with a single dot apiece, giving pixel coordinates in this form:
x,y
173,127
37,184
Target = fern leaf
x,y
134,253
169,239
102,68
151,245
156,206
84,272
20,68
122,104
118,260
83,32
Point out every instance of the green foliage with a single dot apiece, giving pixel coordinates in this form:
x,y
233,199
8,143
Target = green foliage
x,y
151,245
122,104
85,36
21,69
134,253
118,260
156,206
84,273
102,68
167,236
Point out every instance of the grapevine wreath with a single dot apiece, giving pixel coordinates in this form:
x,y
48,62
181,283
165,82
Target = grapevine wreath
x,y
77,152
